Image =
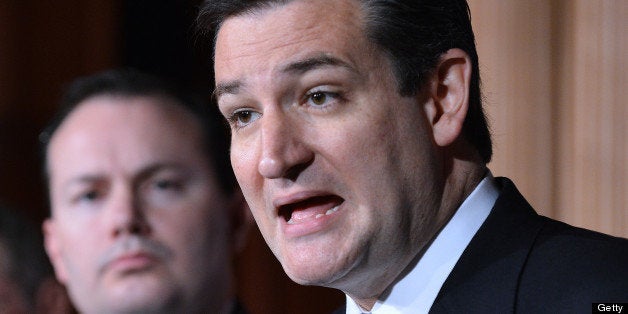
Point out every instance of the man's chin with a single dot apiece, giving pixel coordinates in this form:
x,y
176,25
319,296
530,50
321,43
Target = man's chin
x,y
324,275
141,295
317,263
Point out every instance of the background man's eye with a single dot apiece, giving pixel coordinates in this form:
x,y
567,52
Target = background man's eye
x,y
89,196
167,184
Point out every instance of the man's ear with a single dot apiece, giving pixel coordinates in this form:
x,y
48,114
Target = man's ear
x,y
53,248
241,220
449,94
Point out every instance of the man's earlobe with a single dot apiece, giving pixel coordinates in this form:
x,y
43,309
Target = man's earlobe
x,y
449,94
53,249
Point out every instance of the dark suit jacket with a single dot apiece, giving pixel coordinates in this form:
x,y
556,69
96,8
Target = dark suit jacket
x,y
520,262
238,308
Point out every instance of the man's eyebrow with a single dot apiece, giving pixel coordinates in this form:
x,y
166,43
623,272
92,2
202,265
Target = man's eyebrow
x,y
141,174
309,64
87,178
226,88
153,168
297,67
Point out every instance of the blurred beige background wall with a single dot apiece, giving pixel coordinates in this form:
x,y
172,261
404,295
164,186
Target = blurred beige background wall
x,y
555,87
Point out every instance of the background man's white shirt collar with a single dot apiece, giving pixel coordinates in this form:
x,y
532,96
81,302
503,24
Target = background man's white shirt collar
x,y
416,292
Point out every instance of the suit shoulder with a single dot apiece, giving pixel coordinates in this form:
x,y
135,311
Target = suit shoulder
x,y
558,237
569,266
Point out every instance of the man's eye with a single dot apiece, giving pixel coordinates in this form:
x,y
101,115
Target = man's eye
x,y
243,118
167,185
320,98
89,197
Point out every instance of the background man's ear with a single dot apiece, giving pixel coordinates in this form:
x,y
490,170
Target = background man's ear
x,y
241,221
449,94
53,248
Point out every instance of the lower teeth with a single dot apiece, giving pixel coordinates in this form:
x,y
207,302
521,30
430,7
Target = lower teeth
x,y
329,211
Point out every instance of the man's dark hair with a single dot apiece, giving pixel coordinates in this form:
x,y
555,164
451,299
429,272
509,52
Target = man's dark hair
x,y
413,34
132,83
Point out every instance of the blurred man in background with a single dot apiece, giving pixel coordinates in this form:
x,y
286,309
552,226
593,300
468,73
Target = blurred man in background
x,y
145,216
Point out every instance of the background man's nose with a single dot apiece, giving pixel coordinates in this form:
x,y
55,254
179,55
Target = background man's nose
x,y
127,215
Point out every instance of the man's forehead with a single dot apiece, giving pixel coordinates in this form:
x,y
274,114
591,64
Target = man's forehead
x,y
106,114
102,134
285,37
293,22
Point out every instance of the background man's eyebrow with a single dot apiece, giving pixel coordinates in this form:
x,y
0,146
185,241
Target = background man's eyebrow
x,y
153,168
88,178
303,66
226,88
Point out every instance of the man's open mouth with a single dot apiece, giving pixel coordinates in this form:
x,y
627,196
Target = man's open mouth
x,y
311,208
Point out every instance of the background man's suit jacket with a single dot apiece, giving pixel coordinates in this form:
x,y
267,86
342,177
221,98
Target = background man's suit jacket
x,y
520,262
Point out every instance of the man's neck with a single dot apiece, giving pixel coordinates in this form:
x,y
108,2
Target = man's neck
x,y
458,185
463,177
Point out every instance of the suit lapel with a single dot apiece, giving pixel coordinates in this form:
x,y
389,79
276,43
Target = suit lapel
x,y
486,277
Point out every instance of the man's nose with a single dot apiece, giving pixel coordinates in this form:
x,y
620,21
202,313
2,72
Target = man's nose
x,y
126,215
283,151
